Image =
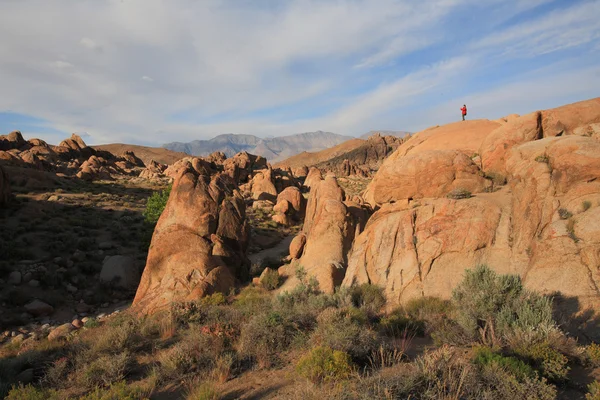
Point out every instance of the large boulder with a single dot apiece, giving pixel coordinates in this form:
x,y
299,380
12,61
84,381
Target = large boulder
x,y
120,271
263,187
313,177
329,229
582,119
542,226
153,170
132,159
4,187
240,166
432,173
75,143
13,140
294,197
199,243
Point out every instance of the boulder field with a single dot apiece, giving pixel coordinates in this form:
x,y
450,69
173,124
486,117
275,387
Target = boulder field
x,y
520,194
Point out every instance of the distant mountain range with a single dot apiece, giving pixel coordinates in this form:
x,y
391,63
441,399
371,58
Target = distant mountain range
x,y
273,149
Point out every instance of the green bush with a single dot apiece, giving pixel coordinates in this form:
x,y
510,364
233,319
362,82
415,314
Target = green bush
x,y
397,324
586,205
270,279
551,363
30,392
592,353
116,391
368,297
323,364
490,307
459,193
514,366
215,299
593,391
156,204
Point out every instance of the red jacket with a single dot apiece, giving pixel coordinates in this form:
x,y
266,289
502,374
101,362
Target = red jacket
x,y
464,110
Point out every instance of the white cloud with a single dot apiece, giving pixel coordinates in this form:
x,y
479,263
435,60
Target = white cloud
x,y
90,44
213,63
62,64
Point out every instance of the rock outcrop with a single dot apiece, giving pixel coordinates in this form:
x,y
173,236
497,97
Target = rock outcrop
x,y
543,225
328,233
199,243
153,170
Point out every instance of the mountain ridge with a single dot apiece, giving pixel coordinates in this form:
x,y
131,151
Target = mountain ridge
x,y
274,149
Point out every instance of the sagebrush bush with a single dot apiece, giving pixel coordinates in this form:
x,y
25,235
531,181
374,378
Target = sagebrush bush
x,y
270,279
117,391
264,336
367,297
323,364
30,392
104,370
155,205
397,324
592,353
593,391
490,307
340,330
458,194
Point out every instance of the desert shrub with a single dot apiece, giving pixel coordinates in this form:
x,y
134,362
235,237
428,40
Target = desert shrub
x,y
215,299
203,391
323,364
117,391
592,353
252,300
270,280
571,230
156,204
103,371
551,363
368,297
543,159
397,324
593,391
223,367
264,336
118,334
489,306
497,179
30,392
340,330
91,323
486,356
586,205
427,308
563,213
459,193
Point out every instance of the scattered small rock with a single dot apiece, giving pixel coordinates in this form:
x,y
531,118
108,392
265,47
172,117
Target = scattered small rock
x,y
61,332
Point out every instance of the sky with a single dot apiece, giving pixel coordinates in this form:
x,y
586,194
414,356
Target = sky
x,y
156,71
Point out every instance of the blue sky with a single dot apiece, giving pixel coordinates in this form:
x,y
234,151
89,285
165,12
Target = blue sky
x,y
156,71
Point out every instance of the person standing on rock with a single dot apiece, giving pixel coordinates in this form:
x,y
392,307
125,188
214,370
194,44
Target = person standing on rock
x,y
464,111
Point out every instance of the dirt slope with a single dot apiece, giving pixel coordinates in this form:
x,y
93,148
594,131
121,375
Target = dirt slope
x,y
163,156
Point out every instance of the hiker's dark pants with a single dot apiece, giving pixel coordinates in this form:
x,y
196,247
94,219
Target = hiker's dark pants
x,y
464,115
